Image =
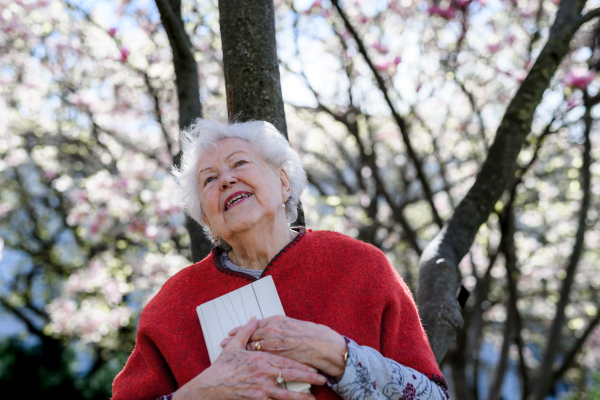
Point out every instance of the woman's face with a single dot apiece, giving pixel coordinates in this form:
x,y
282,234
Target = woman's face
x,y
239,189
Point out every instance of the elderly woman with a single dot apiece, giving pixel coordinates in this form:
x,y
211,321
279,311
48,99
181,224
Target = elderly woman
x,y
351,330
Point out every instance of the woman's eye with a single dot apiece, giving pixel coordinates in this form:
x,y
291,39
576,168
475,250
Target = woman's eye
x,y
237,164
209,180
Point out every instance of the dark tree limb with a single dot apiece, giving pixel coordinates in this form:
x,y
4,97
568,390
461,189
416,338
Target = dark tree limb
x,y
545,372
512,327
589,16
188,94
575,348
438,275
152,91
400,121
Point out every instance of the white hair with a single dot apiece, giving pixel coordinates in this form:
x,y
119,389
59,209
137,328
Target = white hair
x,y
273,147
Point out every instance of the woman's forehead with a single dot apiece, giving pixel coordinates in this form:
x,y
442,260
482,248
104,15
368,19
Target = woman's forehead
x,y
225,149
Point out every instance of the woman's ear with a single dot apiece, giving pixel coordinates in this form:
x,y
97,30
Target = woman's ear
x,y
286,188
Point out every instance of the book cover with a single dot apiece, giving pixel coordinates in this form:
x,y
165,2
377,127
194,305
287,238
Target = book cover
x,y
219,316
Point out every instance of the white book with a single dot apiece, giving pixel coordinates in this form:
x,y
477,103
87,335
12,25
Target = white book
x,y
219,316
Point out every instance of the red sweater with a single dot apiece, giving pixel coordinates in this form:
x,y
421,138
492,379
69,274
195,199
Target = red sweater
x,y
323,277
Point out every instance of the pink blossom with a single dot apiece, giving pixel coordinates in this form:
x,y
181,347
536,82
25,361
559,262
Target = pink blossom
x,y
511,39
151,232
446,13
50,174
571,104
579,78
462,4
363,20
124,54
527,63
493,48
397,60
112,293
379,47
112,32
382,65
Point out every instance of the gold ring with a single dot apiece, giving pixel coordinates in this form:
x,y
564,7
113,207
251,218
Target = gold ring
x,y
257,346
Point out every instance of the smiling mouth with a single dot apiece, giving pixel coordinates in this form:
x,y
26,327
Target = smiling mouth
x,y
236,200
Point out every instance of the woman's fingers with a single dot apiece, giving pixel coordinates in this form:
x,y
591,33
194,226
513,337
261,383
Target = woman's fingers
x,y
282,362
294,375
233,331
283,394
243,335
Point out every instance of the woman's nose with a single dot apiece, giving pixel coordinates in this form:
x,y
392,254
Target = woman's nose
x,y
227,180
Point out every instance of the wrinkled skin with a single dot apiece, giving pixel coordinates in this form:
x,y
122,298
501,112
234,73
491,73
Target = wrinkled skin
x,y
306,342
242,374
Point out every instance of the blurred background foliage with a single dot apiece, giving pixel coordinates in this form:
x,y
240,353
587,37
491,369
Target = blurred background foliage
x,y
90,226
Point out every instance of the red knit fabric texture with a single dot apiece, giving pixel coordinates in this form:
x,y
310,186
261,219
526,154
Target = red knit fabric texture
x,y
323,277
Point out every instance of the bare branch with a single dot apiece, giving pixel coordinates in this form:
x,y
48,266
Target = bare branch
x,y
439,264
574,350
589,16
179,39
545,373
397,117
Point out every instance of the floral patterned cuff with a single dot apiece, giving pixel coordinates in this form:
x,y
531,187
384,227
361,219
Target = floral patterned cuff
x,y
370,376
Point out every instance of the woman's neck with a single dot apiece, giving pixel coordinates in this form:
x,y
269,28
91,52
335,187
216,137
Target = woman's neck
x,y
255,248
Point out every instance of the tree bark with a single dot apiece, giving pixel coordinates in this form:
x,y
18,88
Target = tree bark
x,y
188,94
438,273
510,259
251,66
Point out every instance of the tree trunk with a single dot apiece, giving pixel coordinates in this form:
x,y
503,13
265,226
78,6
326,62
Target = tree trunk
x,y
438,273
250,64
188,94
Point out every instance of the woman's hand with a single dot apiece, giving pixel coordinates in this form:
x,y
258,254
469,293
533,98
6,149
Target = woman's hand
x,y
305,342
242,374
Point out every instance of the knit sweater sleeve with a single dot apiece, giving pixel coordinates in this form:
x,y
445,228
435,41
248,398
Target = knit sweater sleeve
x,y
146,375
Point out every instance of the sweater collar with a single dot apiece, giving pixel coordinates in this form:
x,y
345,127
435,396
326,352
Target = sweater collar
x,y
218,251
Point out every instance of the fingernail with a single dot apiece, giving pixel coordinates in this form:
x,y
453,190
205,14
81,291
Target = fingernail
x,y
223,343
322,379
230,333
311,369
252,319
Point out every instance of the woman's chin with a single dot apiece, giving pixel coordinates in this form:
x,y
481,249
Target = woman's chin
x,y
241,220
244,219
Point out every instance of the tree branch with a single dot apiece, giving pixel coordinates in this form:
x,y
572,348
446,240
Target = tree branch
x,y
577,346
397,117
589,16
545,373
439,264
179,39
